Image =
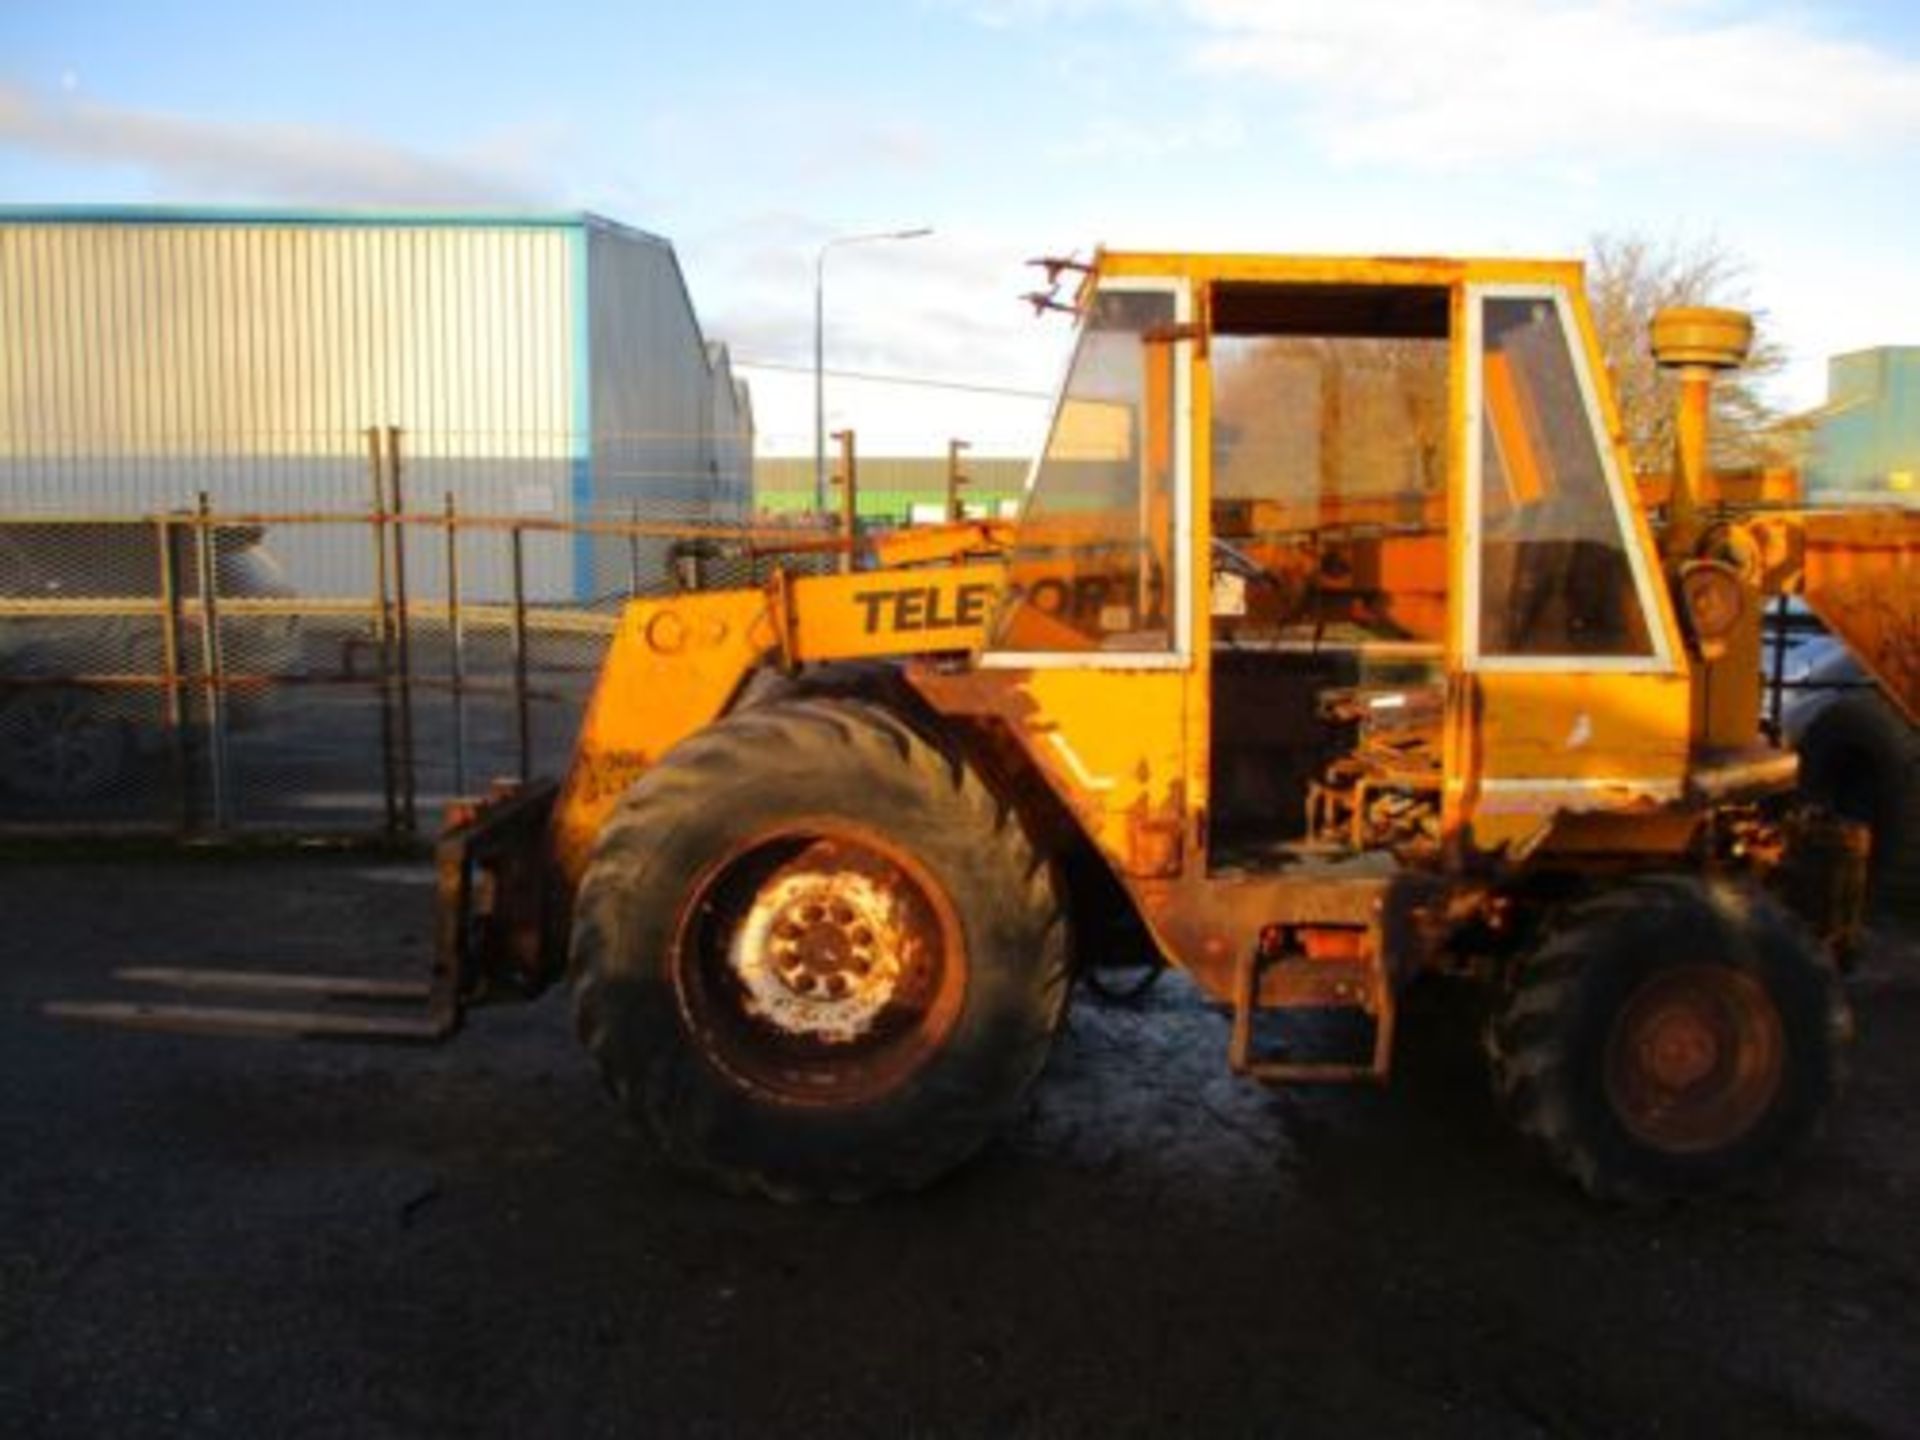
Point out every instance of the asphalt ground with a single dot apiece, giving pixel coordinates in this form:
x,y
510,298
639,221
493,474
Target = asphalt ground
x,y
205,1237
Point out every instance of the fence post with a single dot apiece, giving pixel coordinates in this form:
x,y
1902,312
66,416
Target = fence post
x,y
633,550
383,640
212,661
522,712
457,644
956,480
174,704
849,481
402,628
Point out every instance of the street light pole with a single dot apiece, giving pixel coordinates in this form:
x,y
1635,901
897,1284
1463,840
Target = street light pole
x,y
820,347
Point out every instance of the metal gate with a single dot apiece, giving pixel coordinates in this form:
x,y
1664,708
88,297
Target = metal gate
x,y
159,673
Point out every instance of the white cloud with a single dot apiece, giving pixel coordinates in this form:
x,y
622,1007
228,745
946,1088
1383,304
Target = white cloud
x,y
789,142
185,158
1112,138
1456,82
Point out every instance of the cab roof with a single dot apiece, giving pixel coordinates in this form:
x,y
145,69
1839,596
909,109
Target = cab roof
x,y
1338,269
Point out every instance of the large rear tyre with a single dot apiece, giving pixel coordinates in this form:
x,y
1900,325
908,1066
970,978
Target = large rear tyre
x,y
815,956
1861,759
1668,1039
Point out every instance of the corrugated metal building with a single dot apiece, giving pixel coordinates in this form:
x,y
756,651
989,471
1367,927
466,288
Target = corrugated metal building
x,y
538,364
1866,444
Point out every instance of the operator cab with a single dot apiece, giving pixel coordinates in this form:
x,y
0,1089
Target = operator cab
x,y
1252,477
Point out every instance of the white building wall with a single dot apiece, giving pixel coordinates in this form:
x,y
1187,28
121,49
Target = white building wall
x,y
143,361
536,365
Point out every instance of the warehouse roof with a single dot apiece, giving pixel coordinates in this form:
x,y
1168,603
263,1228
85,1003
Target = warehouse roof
x,y
306,215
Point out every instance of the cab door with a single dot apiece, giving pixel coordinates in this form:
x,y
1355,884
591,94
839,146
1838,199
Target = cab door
x,y
1571,692
1091,654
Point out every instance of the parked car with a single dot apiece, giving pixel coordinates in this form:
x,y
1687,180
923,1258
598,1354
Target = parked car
x,y
75,717
1860,756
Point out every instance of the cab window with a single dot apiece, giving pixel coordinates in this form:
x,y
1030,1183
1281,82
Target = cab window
x,y
1093,566
1555,574
1329,451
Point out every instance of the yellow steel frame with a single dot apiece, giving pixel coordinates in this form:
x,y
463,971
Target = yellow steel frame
x,y
1124,742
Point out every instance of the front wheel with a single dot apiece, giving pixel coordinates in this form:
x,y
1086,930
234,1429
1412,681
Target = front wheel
x,y
815,956
1669,1038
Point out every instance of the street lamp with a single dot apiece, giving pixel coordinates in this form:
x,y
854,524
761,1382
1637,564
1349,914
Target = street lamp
x,y
820,347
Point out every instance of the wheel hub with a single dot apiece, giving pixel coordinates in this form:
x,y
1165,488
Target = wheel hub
x,y
822,966
1695,1059
820,955
1679,1049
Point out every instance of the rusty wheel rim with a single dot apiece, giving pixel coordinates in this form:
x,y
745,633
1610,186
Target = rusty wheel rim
x,y
819,965
1695,1058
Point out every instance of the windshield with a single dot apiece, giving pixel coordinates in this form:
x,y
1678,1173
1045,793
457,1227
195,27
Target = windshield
x,y
1092,566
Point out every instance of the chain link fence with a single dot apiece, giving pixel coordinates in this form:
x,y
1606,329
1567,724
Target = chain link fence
x,y
207,670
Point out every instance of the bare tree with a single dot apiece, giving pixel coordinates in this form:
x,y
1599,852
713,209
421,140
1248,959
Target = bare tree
x,y
1629,277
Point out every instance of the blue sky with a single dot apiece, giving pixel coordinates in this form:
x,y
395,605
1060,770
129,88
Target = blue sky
x,y
749,132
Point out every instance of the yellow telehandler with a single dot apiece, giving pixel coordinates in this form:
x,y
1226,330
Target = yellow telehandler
x,y
1335,644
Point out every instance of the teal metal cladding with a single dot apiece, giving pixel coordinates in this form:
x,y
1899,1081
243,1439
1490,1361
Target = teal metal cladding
x,y
1867,443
